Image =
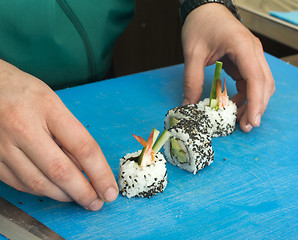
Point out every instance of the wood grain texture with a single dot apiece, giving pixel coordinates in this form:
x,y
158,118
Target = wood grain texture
x,y
248,192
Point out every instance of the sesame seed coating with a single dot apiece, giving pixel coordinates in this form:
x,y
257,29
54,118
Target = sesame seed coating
x,y
197,146
136,182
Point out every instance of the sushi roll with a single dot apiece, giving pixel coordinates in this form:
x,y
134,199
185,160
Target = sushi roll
x,y
222,120
189,111
135,181
221,111
188,148
143,173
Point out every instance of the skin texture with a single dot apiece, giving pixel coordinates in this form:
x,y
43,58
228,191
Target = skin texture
x,y
212,33
43,147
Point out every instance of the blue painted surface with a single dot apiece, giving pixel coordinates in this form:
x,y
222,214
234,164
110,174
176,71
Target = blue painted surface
x,y
252,194
291,17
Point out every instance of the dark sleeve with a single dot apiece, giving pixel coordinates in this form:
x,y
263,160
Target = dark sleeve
x,y
188,5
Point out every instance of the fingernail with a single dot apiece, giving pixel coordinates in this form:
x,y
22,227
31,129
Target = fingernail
x,y
258,120
110,194
248,127
96,205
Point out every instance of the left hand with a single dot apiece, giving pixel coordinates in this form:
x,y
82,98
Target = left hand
x,y
44,148
212,33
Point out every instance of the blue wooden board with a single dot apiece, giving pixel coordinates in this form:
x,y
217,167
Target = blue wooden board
x,y
252,194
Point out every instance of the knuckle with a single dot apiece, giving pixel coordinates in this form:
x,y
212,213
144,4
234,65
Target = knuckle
x,y
189,82
192,82
87,148
191,51
37,184
258,43
15,120
59,170
245,42
20,128
17,124
241,39
192,90
20,187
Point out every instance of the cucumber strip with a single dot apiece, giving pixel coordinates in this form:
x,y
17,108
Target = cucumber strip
x,y
141,157
214,104
180,155
217,72
155,134
161,141
178,151
173,121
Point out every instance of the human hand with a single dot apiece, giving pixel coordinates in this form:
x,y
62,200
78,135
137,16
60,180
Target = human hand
x,y
210,33
43,147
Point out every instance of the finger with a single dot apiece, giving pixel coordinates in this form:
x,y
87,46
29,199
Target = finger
x,y
244,123
31,177
84,148
265,84
8,177
58,168
255,99
254,76
255,103
71,157
240,112
240,98
193,81
269,81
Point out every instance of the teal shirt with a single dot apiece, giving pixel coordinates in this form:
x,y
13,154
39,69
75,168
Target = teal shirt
x,y
62,42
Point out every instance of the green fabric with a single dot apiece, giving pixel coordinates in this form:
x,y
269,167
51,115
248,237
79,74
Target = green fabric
x,y
62,42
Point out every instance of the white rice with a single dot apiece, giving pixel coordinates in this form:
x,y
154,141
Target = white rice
x,y
223,120
136,182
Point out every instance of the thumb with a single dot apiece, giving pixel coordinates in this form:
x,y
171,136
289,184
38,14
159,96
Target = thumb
x,y
193,82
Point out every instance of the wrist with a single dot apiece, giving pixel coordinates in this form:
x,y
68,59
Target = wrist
x,y
188,5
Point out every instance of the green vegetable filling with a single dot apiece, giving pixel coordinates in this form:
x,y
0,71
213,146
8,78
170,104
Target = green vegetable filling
x,y
178,151
173,121
214,104
217,72
161,141
155,135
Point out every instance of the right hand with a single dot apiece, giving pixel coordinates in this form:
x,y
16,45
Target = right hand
x,y
212,33
43,147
